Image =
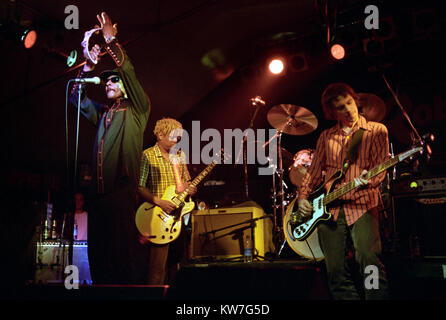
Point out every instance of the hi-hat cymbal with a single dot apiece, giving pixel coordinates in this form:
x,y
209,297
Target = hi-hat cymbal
x,y
372,107
291,119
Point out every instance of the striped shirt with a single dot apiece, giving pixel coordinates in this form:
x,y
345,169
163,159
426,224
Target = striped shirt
x,y
157,173
331,149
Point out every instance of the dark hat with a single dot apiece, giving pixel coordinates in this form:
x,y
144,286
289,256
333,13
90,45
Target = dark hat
x,y
105,74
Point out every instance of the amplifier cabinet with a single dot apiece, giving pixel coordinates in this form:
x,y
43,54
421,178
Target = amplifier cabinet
x,y
52,258
420,225
220,233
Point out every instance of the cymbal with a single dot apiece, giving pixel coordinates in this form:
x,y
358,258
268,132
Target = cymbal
x,y
372,107
291,119
287,158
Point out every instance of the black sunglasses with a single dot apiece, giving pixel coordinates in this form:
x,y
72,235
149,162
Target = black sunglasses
x,y
113,79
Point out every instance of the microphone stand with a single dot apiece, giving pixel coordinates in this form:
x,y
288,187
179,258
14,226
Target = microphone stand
x,y
418,137
257,101
74,186
251,226
415,136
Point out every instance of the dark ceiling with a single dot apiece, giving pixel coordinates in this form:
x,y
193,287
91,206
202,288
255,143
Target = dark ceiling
x,y
203,60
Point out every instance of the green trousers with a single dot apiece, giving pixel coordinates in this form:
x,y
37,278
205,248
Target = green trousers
x,y
363,239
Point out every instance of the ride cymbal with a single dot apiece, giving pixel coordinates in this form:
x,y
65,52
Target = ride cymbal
x,y
372,107
291,119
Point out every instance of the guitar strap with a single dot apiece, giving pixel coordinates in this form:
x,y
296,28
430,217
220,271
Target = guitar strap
x,y
179,182
353,150
177,174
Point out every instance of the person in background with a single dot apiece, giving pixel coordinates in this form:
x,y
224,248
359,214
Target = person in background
x,y
80,218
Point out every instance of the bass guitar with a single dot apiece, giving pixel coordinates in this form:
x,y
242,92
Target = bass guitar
x,y
323,196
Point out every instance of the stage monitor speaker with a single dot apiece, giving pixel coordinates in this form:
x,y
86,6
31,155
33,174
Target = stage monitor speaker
x,y
219,233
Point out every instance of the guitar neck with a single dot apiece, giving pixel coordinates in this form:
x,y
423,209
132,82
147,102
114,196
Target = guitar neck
x,y
197,180
370,174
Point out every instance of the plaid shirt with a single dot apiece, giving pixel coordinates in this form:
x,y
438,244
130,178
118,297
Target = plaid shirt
x,y
330,152
157,172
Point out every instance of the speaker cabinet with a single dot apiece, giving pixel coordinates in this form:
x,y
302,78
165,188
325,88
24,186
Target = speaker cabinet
x,y
420,226
52,257
219,233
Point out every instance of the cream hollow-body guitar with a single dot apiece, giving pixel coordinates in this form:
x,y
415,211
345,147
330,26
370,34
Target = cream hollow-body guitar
x,y
160,227
323,197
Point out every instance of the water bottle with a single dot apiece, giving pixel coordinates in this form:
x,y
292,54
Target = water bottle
x,y
53,230
247,249
46,231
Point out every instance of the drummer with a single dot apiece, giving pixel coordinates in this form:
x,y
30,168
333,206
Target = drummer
x,y
302,160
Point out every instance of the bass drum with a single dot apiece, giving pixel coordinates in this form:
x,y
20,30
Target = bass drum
x,y
308,248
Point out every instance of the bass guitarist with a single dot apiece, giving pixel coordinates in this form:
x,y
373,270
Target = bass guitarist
x,y
355,215
160,169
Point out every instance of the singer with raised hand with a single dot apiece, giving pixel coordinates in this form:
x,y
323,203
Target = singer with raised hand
x,y
116,154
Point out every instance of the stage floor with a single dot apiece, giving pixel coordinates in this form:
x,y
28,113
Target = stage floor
x,y
262,280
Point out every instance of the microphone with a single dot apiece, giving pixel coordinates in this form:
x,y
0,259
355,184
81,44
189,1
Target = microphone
x,y
95,80
256,100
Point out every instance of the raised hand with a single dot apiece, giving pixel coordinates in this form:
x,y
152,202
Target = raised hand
x,y
94,56
109,30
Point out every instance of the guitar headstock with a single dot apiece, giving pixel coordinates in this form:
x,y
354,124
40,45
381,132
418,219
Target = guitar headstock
x,y
410,153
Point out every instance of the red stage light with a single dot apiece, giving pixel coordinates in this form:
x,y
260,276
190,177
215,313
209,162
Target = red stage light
x,y
276,66
337,51
29,38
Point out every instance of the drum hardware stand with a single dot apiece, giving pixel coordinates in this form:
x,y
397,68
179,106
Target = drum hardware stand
x,y
277,225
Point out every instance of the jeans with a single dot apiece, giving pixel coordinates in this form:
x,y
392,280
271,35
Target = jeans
x,y
335,238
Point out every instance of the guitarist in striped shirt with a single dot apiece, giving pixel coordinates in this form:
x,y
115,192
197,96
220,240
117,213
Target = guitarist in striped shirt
x,y
355,216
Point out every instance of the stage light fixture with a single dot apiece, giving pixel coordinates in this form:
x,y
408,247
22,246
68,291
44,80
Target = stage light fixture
x,y
298,62
337,51
373,47
27,37
276,66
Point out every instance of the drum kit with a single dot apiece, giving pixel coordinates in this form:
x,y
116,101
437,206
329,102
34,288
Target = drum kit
x,y
296,120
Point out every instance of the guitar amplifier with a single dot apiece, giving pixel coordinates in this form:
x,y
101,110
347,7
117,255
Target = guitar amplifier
x,y
218,234
419,186
52,258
